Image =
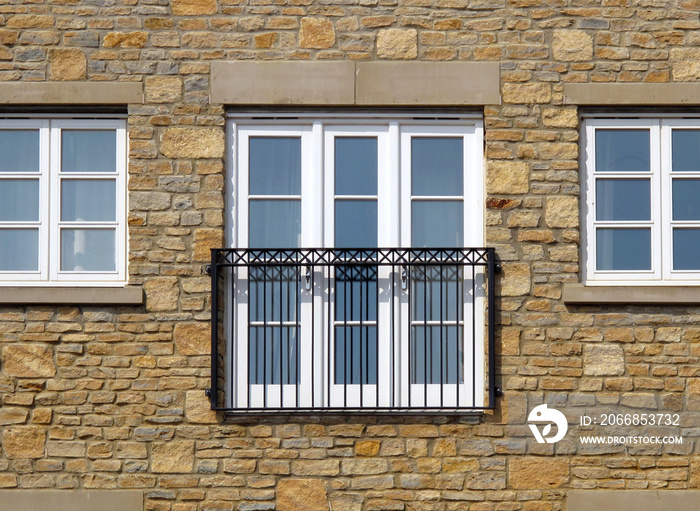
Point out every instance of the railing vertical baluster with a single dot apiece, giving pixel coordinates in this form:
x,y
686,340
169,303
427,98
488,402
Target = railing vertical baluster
x,y
313,337
461,327
474,337
442,340
427,333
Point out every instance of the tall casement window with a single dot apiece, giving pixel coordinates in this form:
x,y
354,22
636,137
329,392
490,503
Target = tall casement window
x,y
354,327
62,201
642,189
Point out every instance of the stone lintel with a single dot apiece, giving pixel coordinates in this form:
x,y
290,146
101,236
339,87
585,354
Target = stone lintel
x,y
632,500
71,93
70,500
427,83
355,84
129,295
611,94
579,293
283,83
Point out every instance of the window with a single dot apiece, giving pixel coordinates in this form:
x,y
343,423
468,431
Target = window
x,y
353,326
643,218
62,201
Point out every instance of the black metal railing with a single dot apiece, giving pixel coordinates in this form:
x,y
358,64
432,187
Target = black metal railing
x,y
353,330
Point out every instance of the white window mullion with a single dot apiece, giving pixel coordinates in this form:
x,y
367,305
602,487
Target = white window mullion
x,y
662,241
53,169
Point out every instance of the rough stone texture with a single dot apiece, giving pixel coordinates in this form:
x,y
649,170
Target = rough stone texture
x,y
173,457
603,360
68,64
108,392
561,212
192,143
198,408
192,338
397,44
516,279
28,361
193,7
507,177
316,33
537,473
302,495
162,293
163,89
572,45
24,442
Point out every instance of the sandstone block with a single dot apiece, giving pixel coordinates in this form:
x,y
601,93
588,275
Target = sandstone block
x,y
192,143
367,448
67,64
204,241
572,45
11,415
149,201
561,212
515,279
193,7
527,93
560,117
537,473
316,33
397,44
24,442
197,407
347,502
603,360
162,293
509,177
28,361
163,89
192,338
301,495
125,39
172,457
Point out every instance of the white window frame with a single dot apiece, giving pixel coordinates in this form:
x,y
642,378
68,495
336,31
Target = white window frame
x,y
49,224
661,222
394,203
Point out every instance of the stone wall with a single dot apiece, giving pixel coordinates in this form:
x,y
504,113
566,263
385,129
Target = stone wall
x,y
113,397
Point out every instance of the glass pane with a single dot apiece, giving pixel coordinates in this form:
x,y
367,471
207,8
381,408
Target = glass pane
x,y
275,165
19,200
355,293
274,224
273,293
686,247
88,250
89,151
436,354
356,355
356,166
622,150
436,293
685,150
273,355
437,224
686,195
19,150
355,224
85,200
623,199
19,249
437,166
623,249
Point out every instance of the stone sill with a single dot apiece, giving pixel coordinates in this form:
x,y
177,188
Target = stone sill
x,y
650,295
70,500
129,295
632,500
